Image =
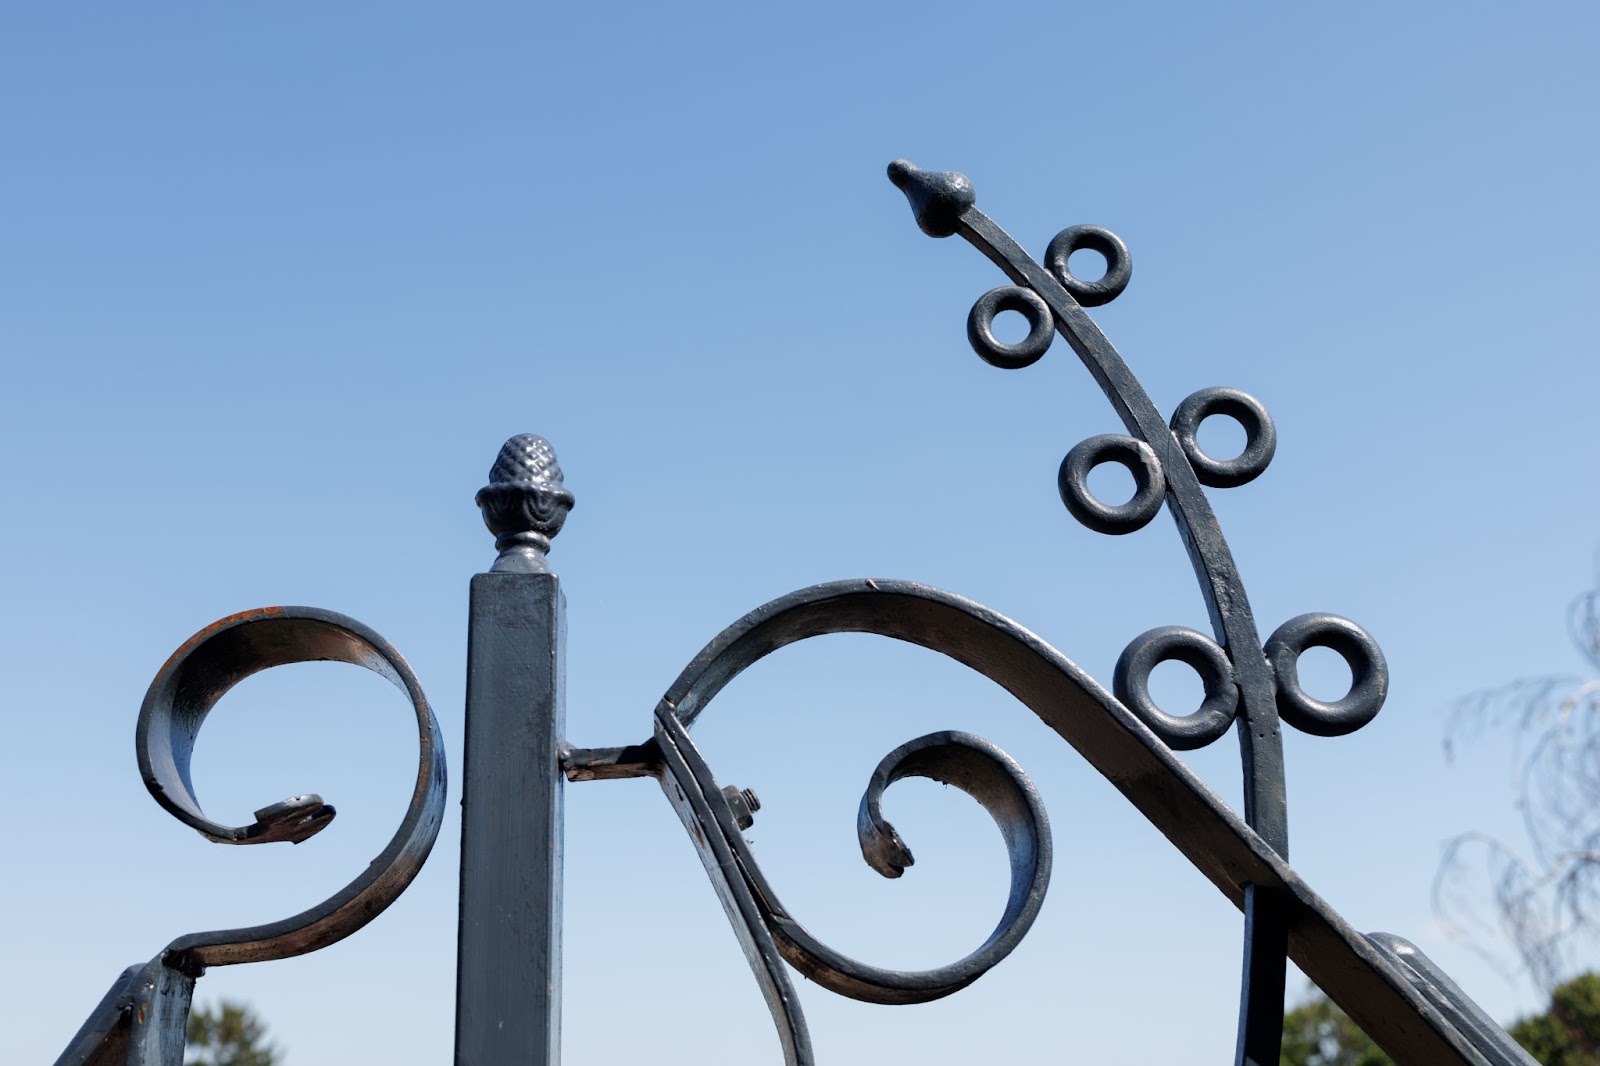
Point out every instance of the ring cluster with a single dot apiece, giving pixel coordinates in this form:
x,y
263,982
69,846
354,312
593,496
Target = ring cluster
x,y
1150,485
1027,303
1369,680
1220,706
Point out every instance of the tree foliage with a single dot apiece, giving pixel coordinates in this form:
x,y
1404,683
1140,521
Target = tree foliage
x,y
1568,1034
1318,1033
1544,898
228,1035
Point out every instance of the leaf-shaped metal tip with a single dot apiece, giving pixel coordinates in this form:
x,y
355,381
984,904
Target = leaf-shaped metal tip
x,y
938,197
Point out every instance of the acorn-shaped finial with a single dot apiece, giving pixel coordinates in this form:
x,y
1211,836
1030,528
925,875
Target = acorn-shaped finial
x,y
524,504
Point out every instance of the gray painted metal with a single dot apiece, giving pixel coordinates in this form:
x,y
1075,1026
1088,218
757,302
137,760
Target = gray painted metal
x,y
508,986
1245,868
508,963
160,1017
140,1022
516,762
183,694
1484,1032
1166,461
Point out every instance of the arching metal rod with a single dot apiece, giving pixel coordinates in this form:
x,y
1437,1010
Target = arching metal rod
x,y
1359,976
945,204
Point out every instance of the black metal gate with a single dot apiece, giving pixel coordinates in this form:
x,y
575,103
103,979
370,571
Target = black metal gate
x,y
517,760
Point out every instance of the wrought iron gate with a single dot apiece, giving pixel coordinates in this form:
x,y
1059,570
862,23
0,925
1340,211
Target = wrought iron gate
x,y
517,761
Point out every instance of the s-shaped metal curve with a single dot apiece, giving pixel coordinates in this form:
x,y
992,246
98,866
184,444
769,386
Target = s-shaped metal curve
x,y
970,763
1243,865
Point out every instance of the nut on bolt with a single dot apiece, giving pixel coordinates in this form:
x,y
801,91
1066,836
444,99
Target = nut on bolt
x,y
743,803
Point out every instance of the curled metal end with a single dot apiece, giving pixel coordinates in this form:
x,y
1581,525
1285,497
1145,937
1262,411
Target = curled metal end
x,y
294,819
183,694
987,774
990,776
968,762
938,197
881,845
525,503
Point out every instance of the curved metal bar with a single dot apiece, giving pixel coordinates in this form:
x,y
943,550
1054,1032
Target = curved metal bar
x,y
682,784
948,199
1228,852
970,763
184,692
990,776
1484,1032
946,204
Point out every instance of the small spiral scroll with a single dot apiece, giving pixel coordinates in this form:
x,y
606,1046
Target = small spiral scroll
x,y
990,776
183,694
970,763
1131,682
1369,674
1139,459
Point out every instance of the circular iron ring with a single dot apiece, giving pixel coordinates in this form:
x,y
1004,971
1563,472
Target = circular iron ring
x,y
1138,458
995,352
1261,436
1119,263
1131,683
1369,674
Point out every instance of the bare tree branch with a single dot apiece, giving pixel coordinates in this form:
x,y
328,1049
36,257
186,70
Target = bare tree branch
x,y
1543,901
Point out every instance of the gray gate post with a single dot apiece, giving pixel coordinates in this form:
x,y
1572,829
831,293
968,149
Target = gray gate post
x,y
508,976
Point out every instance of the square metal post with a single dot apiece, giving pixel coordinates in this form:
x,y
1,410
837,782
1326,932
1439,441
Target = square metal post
x,y
508,976
508,986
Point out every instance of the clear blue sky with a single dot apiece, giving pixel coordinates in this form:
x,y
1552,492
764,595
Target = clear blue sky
x,y
278,280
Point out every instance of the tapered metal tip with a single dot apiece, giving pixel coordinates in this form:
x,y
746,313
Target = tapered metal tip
x,y
938,197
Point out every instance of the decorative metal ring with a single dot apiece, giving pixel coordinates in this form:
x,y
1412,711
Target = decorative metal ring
x,y
185,691
1140,460
1131,683
1369,674
1261,436
1119,263
1026,352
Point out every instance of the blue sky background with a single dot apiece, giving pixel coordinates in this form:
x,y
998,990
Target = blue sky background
x,y
279,279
